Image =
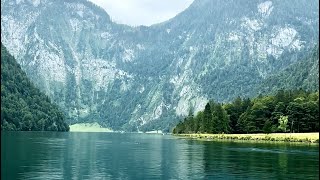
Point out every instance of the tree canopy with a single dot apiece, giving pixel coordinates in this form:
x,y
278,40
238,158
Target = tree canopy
x,y
285,111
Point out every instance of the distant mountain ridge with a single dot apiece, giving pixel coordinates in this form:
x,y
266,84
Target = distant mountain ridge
x,y
141,78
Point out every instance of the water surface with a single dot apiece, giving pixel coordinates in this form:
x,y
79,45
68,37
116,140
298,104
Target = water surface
x,y
54,155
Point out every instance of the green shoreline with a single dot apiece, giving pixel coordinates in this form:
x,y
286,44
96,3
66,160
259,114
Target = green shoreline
x,y
309,138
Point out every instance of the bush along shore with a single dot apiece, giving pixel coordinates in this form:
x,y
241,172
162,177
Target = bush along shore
x,y
274,137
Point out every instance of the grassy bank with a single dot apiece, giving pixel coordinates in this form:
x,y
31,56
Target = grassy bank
x,y
88,127
281,137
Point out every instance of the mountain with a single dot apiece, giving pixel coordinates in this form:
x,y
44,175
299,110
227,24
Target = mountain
x,y
141,78
303,74
23,106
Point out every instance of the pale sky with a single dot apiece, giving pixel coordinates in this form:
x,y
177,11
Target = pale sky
x,y
142,12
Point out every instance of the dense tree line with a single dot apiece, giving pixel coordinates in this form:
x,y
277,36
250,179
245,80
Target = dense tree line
x,y
286,111
23,106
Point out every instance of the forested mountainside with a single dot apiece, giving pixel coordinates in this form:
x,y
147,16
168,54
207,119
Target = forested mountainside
x,y
286,111
303,74
23,106
142,78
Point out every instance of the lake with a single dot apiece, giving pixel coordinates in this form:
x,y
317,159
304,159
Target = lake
x,y
80,155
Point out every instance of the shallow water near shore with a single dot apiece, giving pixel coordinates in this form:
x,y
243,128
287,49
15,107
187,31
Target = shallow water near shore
x,y
80,155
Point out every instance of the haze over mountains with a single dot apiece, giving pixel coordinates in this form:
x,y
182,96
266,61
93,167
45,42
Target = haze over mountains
x,y
142,78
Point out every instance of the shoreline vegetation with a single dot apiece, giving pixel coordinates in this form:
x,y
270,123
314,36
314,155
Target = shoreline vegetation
x,y
277,117
273,137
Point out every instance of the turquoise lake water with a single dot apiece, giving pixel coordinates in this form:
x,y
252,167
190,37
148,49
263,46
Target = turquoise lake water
x,y
72,155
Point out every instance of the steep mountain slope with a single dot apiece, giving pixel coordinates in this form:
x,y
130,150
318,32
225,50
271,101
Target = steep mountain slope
x,y
23,106
303,74
140,78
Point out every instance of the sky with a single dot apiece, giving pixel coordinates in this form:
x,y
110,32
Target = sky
x,y
142,12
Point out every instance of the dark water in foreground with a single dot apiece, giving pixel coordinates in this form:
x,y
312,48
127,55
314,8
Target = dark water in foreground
x,y
47,155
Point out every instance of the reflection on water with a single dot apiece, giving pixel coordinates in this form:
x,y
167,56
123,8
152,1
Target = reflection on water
x,y
50,155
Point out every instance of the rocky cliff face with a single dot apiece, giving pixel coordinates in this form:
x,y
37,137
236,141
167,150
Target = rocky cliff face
x,y
140,78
